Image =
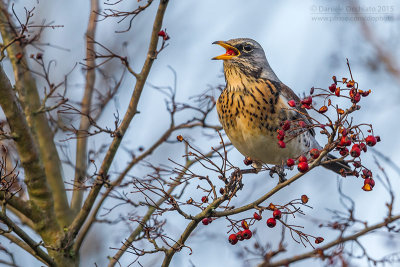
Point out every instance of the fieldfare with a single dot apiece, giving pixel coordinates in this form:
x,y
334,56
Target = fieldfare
x,y
253,105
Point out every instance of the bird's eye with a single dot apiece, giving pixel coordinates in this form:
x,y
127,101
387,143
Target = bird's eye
x,y
247,48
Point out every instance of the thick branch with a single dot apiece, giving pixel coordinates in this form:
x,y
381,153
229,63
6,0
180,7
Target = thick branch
x,y
22,245
336,242
279,186
81,144
130,113
30,101
189,229
274,190
35,177
85,229
21,206
28,240
128,242
22,217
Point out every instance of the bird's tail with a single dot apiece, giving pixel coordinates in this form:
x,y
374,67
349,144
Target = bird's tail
x,y
336,166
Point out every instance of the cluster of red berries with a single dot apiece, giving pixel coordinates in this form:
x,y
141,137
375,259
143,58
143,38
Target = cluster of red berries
x,y
348,143
302,166
281,133
285,126
164,35
276,215
271,222
348,139
369,183
246,233
241,235
206,221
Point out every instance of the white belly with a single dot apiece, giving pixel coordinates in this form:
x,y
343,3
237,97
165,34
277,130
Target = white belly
x,y
263,146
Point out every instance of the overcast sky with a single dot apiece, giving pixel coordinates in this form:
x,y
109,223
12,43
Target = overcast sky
x,y
306,43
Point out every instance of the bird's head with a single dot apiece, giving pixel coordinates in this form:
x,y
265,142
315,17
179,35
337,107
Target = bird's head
x,y
246,55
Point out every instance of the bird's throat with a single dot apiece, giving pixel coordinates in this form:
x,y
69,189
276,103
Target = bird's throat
x,y
237,80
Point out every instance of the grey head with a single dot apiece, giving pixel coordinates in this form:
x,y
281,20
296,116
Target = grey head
x,y
247,56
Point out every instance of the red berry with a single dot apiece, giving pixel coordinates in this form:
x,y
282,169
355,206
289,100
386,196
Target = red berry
x,y
206,221
292,103
367,173
367,187
281,135
344,152
290,162
366,93
271,222
247,161
319,240
247,234
355,151
363,147
302,166
307,101
281,144
378,138
370,140
302,158
345,141
239,236
286,125
357,164
369,181
245,224
323,109
332,88
302,124
314,153
162,33
277,214
356,98
257,216
304,199
233,239
337,91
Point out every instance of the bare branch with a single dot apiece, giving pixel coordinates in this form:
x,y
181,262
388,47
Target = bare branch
x,y
131,112
81,145
24,236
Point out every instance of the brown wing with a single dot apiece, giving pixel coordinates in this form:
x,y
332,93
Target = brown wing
x,y
290,95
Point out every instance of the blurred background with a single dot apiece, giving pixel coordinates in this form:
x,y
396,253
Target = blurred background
x,y
306,43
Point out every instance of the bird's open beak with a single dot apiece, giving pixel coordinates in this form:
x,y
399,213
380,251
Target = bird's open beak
x,y
230,51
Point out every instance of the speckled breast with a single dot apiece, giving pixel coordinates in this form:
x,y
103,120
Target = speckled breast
x,y
251,115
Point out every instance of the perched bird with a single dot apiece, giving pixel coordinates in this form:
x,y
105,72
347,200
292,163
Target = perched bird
x,y
254,104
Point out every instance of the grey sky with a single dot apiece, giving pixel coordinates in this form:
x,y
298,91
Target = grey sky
x,y
303,52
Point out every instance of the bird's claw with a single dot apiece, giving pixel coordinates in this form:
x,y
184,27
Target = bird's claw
x,y
280,171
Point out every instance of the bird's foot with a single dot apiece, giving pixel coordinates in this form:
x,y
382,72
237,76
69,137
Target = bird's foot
x,y
236,178
280,171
